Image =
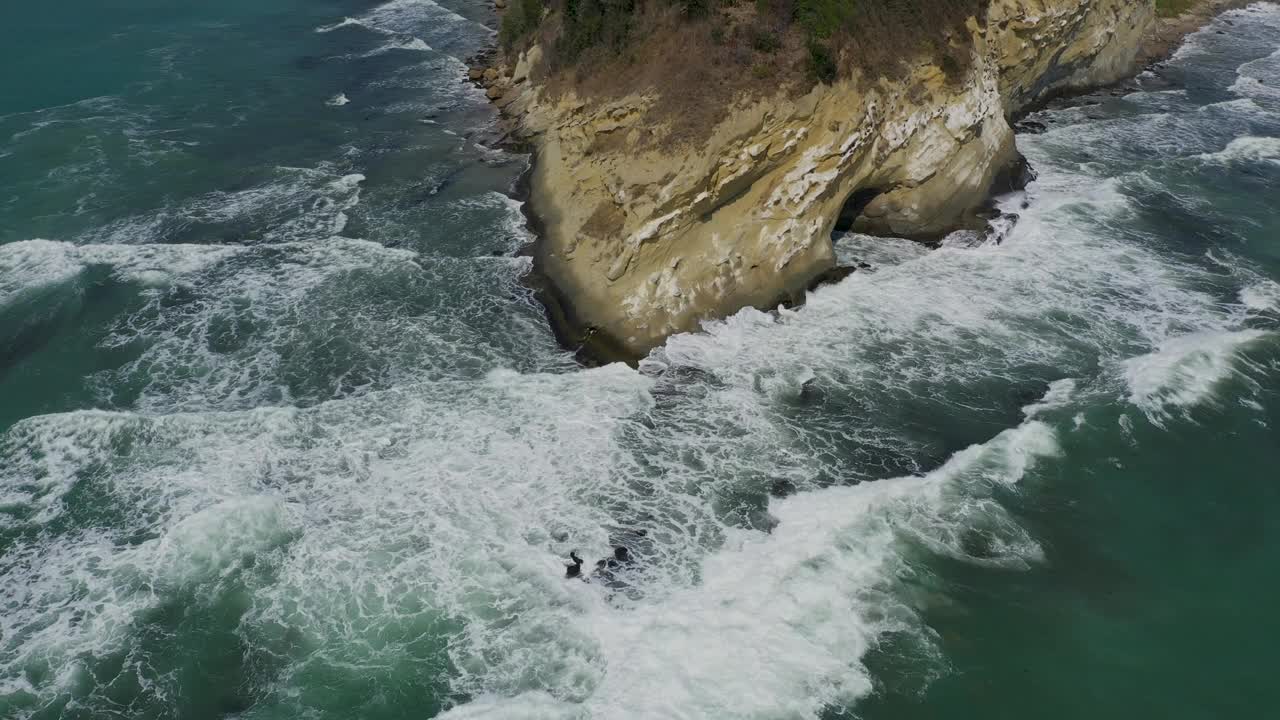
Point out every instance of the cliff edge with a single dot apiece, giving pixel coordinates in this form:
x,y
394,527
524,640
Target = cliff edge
x,y
650,224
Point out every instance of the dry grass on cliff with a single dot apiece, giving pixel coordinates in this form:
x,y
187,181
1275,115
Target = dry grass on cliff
x,y
698,66
1173,8
695,74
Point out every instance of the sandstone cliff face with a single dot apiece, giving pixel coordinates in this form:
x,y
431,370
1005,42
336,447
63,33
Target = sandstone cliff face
x,y
641,242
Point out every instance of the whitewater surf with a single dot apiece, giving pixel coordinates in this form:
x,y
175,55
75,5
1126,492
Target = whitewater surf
x,y
284,435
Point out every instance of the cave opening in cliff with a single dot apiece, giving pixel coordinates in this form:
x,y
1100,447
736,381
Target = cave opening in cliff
x,y
853,207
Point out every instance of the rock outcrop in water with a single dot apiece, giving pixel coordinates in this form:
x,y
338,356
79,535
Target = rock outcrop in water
x,y
642,240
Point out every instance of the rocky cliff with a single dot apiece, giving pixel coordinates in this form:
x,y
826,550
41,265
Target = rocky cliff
x,y
641,240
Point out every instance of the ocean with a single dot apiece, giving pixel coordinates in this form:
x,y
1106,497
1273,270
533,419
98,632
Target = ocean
x,y
284,434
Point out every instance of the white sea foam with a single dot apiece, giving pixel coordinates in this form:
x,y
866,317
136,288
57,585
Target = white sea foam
x,y
236,344
402,16
876,251
422,22
379,495
1262,14
210,543
1259,14
345,22
383,514
368,531
411,44
1247,149
1255,88
1184,371
1102,145
1260,80
1261,296
337,100
297,204
780,620
514,225
414,44
1060,394
32,264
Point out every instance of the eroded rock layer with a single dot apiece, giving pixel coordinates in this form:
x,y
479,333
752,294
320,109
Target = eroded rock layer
x,y
641,241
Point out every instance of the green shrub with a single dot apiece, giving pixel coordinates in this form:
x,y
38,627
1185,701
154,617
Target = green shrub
x,y
875,35
822,65
695,8
764,40
1173,8
508,33
760,71
878,34
520,19
823,18
591,23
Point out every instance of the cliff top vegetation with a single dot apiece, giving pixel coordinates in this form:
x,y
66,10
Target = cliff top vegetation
x,y
831,35
699,54
1173,8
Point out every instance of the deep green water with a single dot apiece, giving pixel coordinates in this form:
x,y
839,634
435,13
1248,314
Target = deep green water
x,y
282,435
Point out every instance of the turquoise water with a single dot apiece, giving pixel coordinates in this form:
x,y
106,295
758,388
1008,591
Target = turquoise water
x,y
284,436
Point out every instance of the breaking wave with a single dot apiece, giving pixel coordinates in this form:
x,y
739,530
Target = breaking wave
x,y
320,454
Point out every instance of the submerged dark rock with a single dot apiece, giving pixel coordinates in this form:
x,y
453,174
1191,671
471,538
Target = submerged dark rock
x,y
1030,127
831,276
1013,177
782,487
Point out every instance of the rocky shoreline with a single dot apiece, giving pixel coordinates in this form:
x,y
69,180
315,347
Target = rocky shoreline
x,y
580,305
1169,32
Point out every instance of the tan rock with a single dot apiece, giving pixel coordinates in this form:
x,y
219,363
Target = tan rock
x,y
528,60
490,75
494,92
500,4
641,241
475,74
